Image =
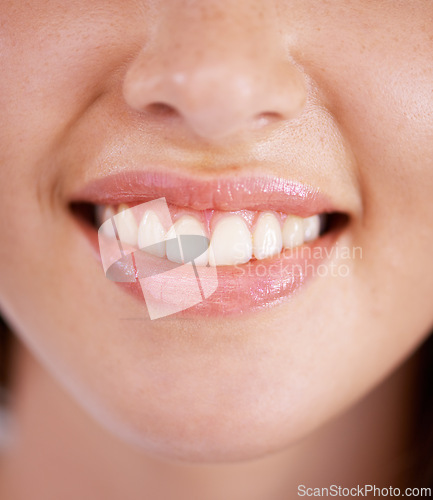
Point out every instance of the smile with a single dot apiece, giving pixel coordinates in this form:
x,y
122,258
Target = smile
x,y
260,233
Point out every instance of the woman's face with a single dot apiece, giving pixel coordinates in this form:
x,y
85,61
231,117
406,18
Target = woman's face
x,y
335,96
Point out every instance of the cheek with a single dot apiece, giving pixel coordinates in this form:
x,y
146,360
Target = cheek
x,y
389,122
388,119
58,60
378,84
376,78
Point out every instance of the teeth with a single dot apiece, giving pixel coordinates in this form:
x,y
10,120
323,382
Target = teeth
x,y
311,228
151,234
293,232
267,237
187,249
126,225
231,242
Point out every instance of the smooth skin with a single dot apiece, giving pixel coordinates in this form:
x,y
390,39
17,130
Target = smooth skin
x,y
336,94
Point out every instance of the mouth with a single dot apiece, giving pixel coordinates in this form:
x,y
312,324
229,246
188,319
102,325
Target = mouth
x,y
208,247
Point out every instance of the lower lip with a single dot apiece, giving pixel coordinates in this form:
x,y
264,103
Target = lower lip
x,y
241,289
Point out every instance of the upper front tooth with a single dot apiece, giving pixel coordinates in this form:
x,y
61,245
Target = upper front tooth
x,y
231,242
293,231
187,249
126,225
311,227
267,237
151,234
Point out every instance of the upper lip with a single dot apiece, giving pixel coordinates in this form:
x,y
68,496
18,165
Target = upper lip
x,y
228,193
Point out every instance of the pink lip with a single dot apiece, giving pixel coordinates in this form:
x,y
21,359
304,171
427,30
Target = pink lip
x,y
245,288
253,286
230,194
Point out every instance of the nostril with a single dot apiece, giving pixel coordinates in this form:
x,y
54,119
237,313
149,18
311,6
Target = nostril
x,y
161,109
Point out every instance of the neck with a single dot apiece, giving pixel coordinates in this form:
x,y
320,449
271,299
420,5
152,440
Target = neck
x,y
58,451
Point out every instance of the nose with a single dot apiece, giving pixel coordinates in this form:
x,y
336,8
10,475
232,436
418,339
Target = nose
x,y
220,66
